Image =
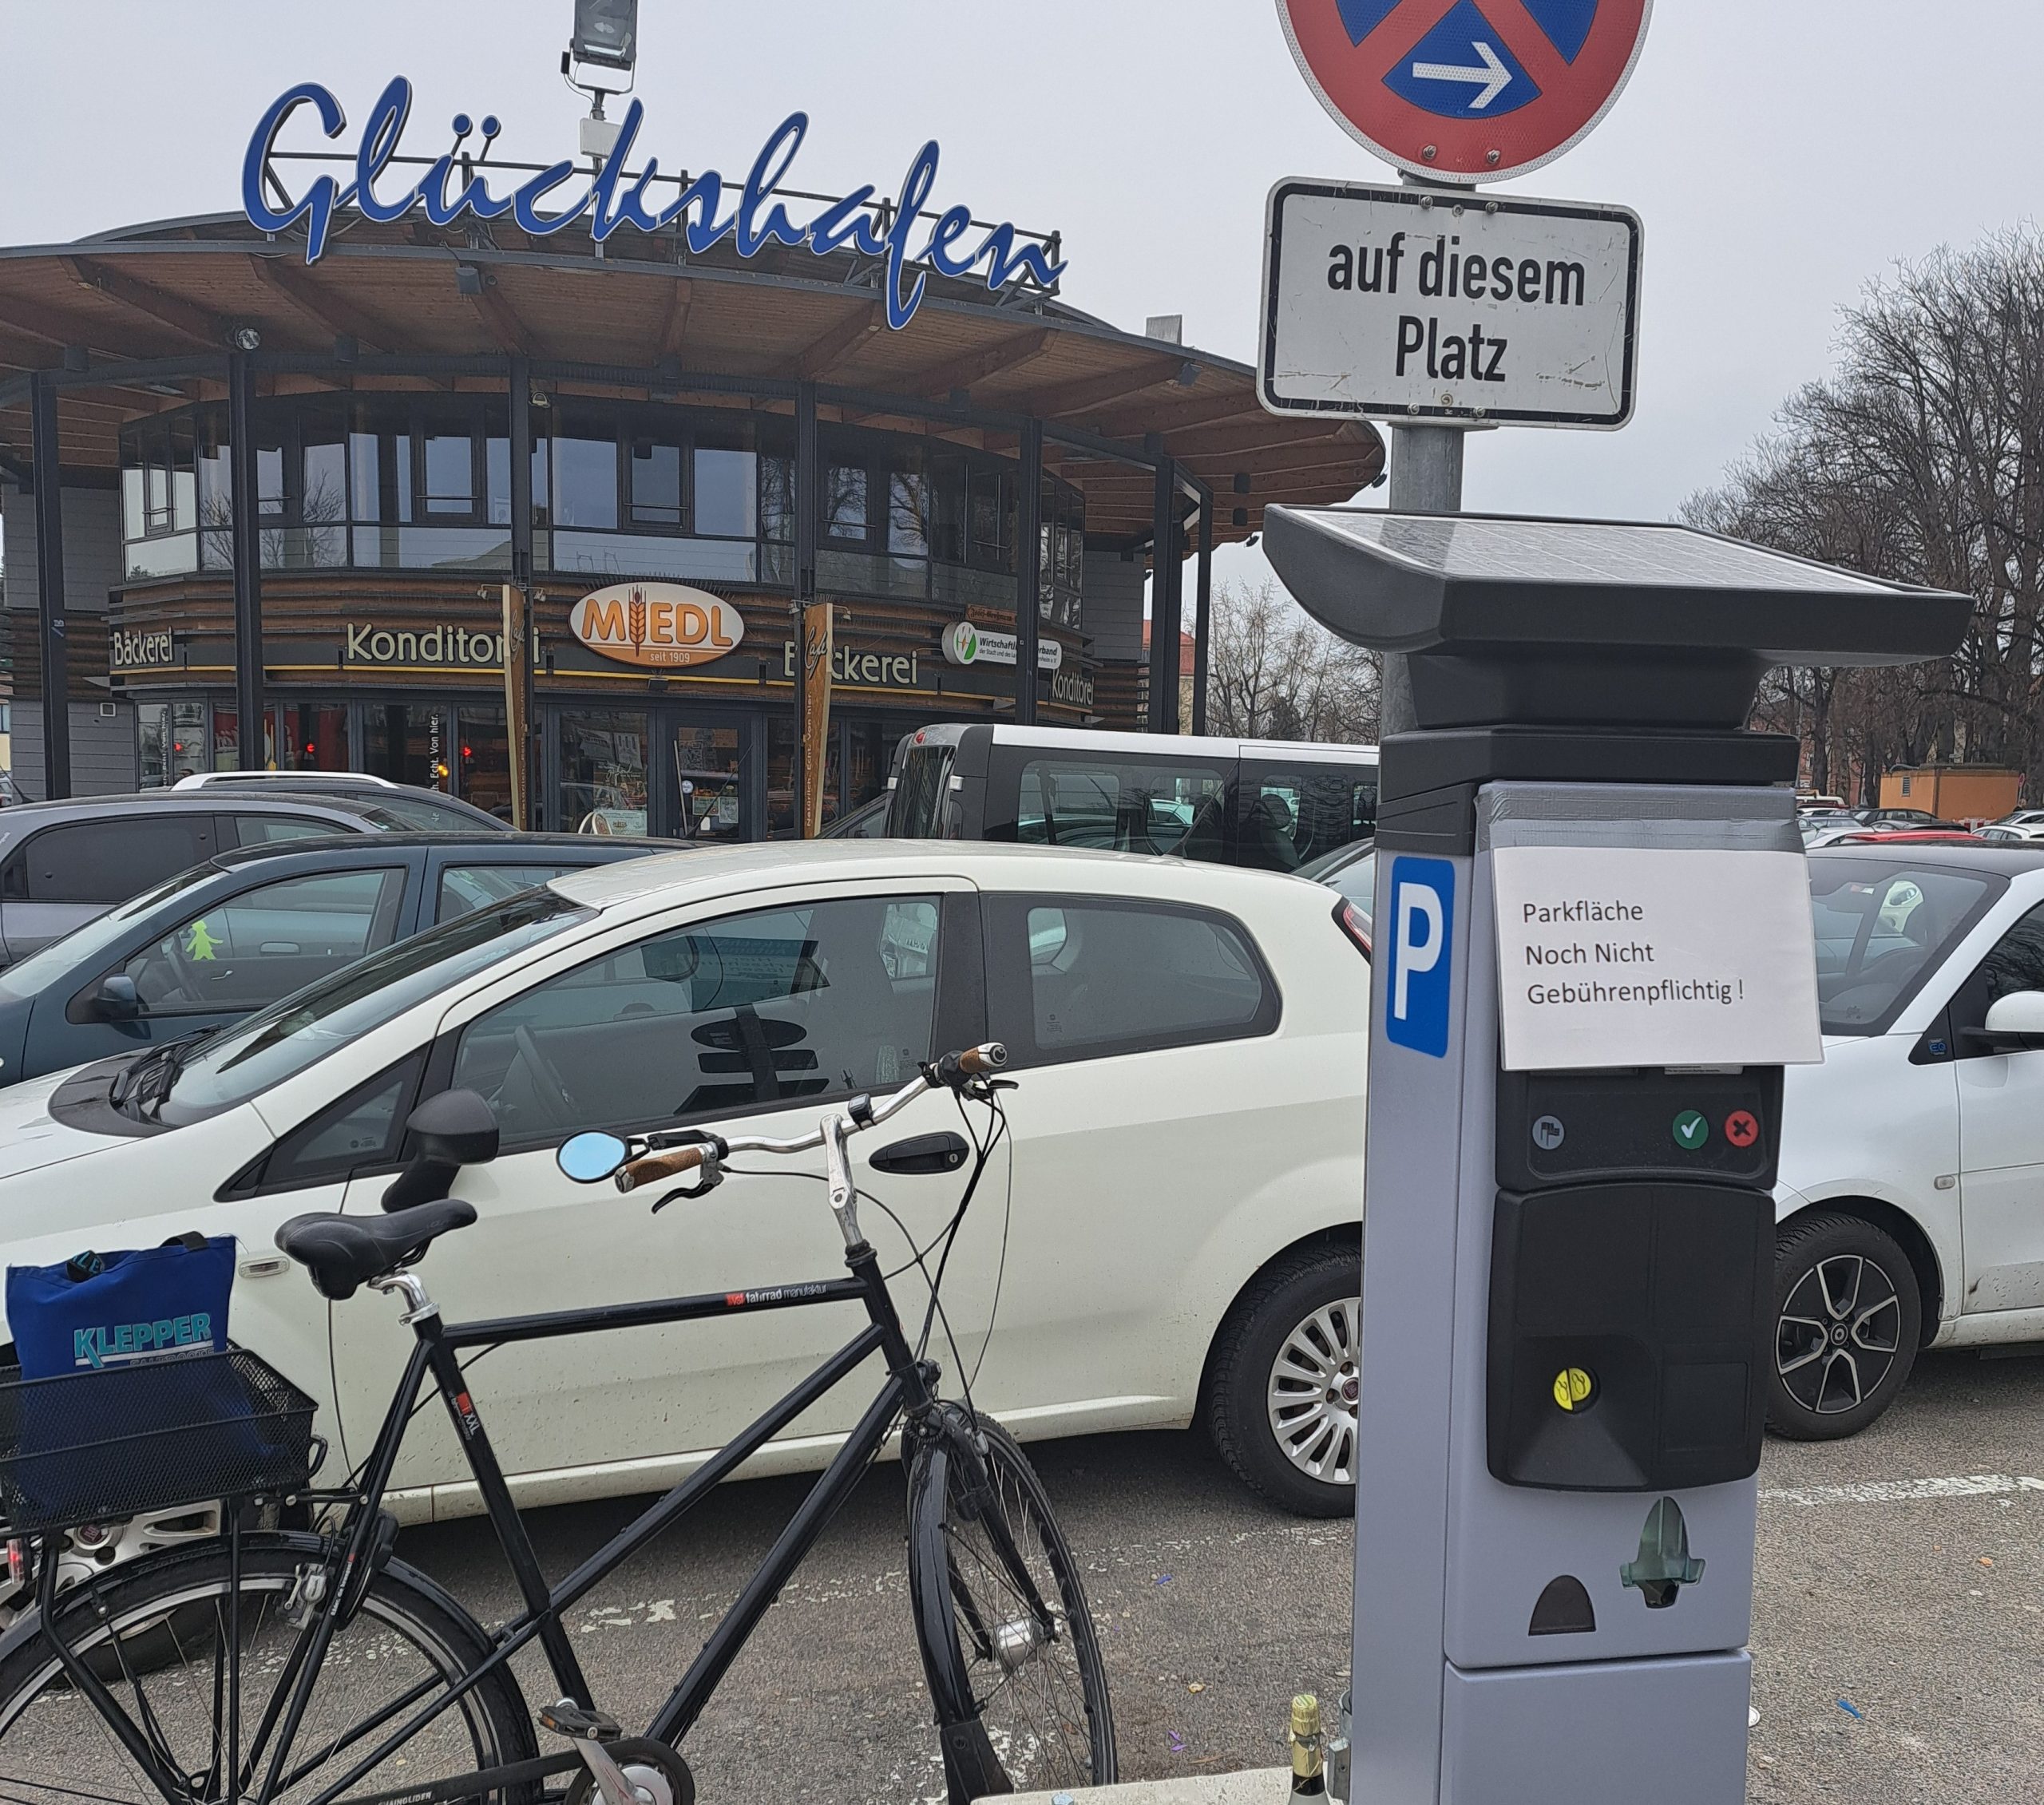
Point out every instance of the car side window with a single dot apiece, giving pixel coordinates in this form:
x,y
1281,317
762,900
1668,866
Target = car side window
x,y
107,862
267,942
1119,805
1285,818
2016,963
465,887
745,1012
1082,978
365,1129
265,830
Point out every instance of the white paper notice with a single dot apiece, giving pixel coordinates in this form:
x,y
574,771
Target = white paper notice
x,y
1646,957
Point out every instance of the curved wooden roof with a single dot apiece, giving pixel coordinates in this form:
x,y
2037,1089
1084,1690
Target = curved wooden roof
x,y
179,289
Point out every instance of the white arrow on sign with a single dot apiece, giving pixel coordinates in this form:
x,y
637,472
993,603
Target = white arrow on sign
x,y
1493,79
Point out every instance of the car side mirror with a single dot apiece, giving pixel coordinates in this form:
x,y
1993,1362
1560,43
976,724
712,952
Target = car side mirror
x,y
2015,1021
116,1000
453,1130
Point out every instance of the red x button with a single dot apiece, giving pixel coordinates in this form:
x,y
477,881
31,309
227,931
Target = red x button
x,y
1741,1129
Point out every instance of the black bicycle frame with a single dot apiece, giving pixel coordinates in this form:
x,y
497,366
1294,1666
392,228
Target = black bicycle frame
x,y
908,1392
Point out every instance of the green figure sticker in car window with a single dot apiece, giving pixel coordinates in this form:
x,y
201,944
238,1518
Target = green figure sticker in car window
x,y
198,941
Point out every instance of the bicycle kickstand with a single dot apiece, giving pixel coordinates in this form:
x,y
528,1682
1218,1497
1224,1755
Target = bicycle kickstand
x,y
589,1731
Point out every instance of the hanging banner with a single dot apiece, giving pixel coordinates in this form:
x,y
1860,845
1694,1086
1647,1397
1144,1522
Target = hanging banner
x,y
817,644
517,645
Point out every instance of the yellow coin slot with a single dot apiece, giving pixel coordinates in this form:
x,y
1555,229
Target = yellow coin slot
x,y
1574,1389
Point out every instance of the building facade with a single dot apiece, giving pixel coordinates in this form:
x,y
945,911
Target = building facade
x,y
264,512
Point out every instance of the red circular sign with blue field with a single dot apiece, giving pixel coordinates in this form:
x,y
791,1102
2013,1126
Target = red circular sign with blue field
x,y
1467,90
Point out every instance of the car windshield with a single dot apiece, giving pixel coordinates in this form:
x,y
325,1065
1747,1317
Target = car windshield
x,y
247,1058
27,976
1883,927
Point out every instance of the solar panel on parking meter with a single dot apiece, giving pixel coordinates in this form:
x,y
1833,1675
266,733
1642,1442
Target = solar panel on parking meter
x,y
1595,956
1476,91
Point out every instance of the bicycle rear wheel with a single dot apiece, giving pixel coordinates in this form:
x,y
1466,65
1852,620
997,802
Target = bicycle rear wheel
x,y
1008,1639
158,1631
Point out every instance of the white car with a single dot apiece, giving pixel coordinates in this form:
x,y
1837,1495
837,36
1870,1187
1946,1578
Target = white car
x,y
1171,1233
1912,1159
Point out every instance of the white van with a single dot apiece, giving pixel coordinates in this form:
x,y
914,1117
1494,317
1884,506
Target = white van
x,y
1273,805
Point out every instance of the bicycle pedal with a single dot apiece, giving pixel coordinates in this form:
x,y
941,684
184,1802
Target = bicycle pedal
x,y
569,1718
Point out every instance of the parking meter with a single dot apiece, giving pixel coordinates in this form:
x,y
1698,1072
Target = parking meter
x,y
1593,958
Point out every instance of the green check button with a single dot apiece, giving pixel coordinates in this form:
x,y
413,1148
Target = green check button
x,y
1691,1131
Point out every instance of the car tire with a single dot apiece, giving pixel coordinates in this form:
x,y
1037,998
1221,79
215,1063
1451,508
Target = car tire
x,y
1848,1318
1281,1397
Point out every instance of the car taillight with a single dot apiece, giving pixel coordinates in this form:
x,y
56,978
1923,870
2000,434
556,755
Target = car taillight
x,y
1352,922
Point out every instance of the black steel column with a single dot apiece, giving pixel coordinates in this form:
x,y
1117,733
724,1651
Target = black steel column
x,y
1163,712
809,521
1028,567
520,386
1202,612
44,466
245,535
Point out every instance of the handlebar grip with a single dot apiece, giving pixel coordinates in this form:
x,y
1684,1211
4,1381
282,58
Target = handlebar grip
x,y
977,1062
653,1167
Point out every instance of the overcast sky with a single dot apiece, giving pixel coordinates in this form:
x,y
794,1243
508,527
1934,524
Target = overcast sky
x,y
1781,152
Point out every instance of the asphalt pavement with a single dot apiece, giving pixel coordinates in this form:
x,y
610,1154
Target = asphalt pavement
x,y
1898,1632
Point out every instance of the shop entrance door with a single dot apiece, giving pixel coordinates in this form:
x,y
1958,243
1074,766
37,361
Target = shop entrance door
x,y
483,749
645,771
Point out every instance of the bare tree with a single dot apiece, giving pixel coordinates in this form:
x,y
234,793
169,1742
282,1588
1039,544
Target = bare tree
x,y
1274,673
1920,458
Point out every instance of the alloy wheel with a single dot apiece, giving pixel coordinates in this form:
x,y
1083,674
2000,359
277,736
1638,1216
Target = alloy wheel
x,y
1839,1334
1315,1382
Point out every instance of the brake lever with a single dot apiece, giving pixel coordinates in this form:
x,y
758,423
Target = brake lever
x,y
713,1177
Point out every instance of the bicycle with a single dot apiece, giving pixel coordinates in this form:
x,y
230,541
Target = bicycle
x,y
158,1654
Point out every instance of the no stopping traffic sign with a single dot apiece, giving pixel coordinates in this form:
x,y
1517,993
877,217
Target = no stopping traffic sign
x,y
1467,90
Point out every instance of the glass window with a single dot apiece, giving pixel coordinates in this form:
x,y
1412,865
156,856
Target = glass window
x,y
2017,962
285,1038
844,502
921,809
1119,807
706,777
739,1014
466,888
405,743
1288,817
450,476
270,830
992,498
365,1129
656,478
585,476
103,862
1880,931
485,747
496,480
187,740
603,772
316,736
777,499
727,493
908,514
267,942
152,743
1087,978
781,776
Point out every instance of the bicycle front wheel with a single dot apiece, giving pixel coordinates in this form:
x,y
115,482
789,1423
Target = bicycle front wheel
x,y
1008,1639
157,1633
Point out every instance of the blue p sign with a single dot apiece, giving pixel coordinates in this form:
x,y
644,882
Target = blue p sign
x,y
1422,933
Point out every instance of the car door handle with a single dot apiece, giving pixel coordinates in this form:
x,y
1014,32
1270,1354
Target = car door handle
x,y
921,1153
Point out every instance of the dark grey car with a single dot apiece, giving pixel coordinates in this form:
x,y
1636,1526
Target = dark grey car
x,y
63,863
253,924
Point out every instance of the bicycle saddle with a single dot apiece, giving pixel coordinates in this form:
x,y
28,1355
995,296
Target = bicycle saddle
x,y
344,1253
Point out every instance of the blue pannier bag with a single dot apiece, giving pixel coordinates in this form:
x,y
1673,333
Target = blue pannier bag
x,y
97,1311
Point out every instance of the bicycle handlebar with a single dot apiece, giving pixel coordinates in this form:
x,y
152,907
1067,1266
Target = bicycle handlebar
x,y
951,1072
650,1167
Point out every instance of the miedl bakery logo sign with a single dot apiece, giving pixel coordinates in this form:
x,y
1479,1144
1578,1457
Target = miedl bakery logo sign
x,y
662,625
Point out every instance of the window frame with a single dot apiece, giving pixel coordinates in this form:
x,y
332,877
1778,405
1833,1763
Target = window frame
x,y
1011,994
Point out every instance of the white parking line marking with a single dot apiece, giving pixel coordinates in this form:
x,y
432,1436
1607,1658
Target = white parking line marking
x,y
1904,1491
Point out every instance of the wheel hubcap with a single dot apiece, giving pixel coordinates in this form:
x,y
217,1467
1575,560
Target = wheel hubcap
x,y
1315,1382
1839,1334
